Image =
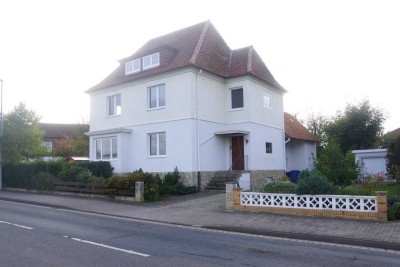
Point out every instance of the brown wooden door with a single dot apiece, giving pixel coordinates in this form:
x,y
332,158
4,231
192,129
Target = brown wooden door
x,y
237,153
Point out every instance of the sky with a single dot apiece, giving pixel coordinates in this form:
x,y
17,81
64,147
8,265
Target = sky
x,y
326,54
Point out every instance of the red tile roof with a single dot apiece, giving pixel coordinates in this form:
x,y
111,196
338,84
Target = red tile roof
x,y
201,46
294,129
53,130
393,134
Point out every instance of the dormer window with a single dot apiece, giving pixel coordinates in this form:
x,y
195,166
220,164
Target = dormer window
x,y
151,61
132,66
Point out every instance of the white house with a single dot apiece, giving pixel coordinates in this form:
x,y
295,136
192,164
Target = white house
x,y
300,145
186,99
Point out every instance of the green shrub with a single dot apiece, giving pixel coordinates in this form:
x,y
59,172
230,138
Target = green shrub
x,y
393,203
339,168
354,191
21,175
282,187
171,185
43,181
98,168
84,177
71,173
127,182
314,183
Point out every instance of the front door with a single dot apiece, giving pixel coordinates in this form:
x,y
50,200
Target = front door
x,y
237,153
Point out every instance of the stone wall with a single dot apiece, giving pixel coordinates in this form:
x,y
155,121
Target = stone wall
x,y
259,178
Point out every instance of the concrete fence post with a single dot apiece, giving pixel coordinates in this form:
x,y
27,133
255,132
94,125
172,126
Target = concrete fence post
x,y
229,186
139,191
381,198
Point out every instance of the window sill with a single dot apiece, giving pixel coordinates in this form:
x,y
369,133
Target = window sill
x,y
113,116
236,109
155,157
151,109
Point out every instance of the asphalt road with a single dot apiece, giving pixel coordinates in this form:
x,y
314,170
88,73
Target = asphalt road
x,y
41,236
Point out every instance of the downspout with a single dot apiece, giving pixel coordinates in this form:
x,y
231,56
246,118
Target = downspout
x,y
198,133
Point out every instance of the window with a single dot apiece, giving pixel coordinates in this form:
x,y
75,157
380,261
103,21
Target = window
x,y
268,148
156,96
267,101
132,66
114,105
237,98
151,61
106,148
157,144
48,145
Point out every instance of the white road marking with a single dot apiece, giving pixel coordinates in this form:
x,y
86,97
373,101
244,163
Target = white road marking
x,y
110,247
17,225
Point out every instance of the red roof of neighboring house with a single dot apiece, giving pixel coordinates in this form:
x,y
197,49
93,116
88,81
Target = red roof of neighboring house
x,y
294,129
394,132
59,130
200,46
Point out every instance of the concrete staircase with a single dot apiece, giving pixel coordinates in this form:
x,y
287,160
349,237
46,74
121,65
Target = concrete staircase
x,y
217,183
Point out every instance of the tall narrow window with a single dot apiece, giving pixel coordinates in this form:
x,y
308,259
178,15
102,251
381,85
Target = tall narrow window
x,y
156,95
151,61
157,144
106,148
237,98
132,66
114,105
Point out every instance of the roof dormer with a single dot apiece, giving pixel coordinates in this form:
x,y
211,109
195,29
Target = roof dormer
x,y
143,63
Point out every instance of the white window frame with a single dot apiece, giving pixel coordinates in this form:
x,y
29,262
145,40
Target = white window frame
x,y
48,145
157,155
133,66
154,61
230,98
117,109
101,140
157,89
270,100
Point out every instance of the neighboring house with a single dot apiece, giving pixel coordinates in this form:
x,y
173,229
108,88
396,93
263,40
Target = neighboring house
x,y
372,162
300,145
187,100
55,133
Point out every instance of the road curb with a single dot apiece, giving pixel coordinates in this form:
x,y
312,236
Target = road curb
x,y
233,229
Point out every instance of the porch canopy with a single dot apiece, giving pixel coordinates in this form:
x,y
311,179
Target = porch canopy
x,y
232,132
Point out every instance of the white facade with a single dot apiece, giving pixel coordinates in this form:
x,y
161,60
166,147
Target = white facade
x,y
300,155
197,120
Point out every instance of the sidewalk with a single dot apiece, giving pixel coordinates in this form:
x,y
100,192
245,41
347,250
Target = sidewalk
x,y
207,210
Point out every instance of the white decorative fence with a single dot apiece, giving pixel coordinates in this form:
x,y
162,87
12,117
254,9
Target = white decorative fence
x,y
321,202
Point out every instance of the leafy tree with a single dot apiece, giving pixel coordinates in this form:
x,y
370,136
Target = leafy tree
x,y
22,138
339,168
358,127
317,124
393,158
76,146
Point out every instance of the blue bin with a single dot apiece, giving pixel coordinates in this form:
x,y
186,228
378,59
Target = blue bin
x,y
294,175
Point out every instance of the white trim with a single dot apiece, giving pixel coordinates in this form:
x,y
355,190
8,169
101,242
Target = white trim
x,y
111,146
230,98
116,111
109,131
270,101
151,63
130,66
157,155
157,91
